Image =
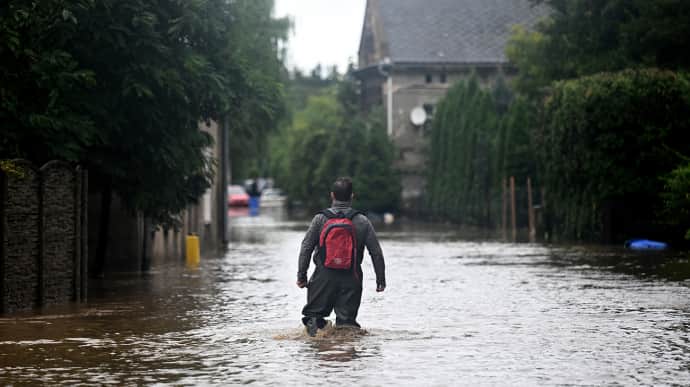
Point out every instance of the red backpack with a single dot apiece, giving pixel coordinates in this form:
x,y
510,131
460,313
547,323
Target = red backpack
x,y
338,240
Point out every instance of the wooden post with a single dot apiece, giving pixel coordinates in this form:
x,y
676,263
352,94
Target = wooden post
x,y
530,212
512,208
504,214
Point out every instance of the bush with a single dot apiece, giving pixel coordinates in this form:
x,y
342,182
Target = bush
x,y
330,138
604,143
11,168
676,197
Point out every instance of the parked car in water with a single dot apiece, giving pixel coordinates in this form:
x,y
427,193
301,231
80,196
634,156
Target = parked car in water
x,y
272,197
237,197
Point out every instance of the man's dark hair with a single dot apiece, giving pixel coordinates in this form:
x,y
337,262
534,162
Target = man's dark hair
x,y
342,189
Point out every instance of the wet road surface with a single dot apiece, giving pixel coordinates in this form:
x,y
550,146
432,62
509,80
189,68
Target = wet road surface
x,y
456,312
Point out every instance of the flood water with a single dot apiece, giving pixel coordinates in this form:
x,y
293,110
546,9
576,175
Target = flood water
x,y
457,311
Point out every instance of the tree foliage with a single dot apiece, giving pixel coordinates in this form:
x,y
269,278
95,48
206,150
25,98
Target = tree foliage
x,y
261,107
676,196
583,37
607,124
479,136
307,141
377,183
298,91
328,138
41,83
609,138
121,86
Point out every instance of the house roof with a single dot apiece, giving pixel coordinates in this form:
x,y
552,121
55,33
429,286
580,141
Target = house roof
x,y
452,31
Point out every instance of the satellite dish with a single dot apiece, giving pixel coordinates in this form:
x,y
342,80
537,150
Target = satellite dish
x,y
418,116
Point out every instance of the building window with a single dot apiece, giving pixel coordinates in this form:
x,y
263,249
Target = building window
x,y
443,77
429,79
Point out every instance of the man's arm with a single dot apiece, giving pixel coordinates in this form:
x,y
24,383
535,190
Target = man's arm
x,y
311,239
374,248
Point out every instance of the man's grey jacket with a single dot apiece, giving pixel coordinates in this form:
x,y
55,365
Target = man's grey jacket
x,y
366,236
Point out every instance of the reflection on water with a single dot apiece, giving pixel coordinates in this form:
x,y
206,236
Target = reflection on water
x,y
246,227
457,311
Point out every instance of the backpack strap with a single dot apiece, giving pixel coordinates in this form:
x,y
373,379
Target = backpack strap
x,y
330,214
352,213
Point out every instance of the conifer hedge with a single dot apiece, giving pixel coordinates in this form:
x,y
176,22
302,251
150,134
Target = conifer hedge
x,y
479,136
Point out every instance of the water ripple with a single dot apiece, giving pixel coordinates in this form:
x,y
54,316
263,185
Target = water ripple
x,y
455,313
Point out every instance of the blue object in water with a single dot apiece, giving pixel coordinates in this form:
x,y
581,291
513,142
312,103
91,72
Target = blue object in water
x,y
645,244
254,205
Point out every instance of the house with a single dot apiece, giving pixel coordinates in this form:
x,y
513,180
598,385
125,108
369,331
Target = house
x,y
412,51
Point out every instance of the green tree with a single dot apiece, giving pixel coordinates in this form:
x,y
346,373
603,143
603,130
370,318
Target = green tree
x,y
298,90
467,152
676,196
573,68
308,138
583,37
607,139
260,106
342,152
329,138
42,111
479,137
376,182
121,86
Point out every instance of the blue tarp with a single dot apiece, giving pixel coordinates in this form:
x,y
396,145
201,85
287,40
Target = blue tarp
x,y
645,244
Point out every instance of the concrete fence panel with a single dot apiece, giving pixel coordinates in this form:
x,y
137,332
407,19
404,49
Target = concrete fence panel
x,y
59,232
21,223
42,226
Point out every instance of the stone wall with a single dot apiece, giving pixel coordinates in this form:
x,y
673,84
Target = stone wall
x,y
41,224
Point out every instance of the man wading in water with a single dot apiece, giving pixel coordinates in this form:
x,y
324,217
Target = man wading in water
x,y
339,235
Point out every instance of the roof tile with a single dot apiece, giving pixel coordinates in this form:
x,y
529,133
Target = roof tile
x,y
453,31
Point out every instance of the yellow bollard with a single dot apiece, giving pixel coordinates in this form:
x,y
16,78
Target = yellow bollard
x,y
192,242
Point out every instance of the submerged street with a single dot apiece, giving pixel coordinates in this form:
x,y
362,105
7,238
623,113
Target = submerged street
x,y
456,312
